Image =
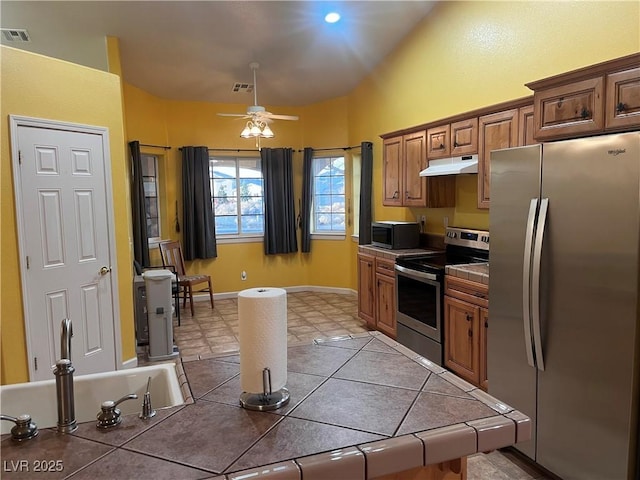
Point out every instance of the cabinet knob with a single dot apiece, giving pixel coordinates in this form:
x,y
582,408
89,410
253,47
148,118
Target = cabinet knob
x,y
470,333
395,194
441,147
455,144
621,107
468,317
585,113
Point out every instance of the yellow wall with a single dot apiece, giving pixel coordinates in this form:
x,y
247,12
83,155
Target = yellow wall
x,y
42,87
153,120
468,55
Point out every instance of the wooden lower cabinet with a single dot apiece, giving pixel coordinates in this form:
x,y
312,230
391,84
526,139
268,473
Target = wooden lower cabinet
x,y
377,293
386,304
466,323
366,294
462,339
484,331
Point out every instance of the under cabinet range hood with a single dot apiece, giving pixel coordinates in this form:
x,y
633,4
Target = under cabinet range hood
x,y
451,166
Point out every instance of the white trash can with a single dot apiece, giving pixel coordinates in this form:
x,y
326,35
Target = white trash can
x,y
160,314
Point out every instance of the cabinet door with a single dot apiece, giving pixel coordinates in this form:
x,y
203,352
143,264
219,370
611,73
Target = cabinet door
x,y
462,339
392,171
496,131
438,142
571,110
623,99
525,126
464,137
484,332
386,304
366,299
415,160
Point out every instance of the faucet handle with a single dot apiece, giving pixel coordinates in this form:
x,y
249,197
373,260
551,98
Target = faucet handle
x,y
109,415
24,428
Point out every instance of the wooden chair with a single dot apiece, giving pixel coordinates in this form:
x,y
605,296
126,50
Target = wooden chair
x,y
171,254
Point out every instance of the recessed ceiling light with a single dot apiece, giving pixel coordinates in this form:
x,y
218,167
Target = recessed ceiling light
x,y
332,17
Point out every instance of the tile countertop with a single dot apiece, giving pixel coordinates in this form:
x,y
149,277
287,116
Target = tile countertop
x,y
475,272
361,406
393,254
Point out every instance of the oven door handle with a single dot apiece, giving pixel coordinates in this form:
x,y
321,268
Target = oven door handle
x,y
416,274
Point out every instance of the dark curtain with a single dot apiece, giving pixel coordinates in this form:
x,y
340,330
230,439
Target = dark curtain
x,y
139,217
280,217
307,195
366,177
199,229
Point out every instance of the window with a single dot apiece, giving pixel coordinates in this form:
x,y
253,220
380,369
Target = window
x,y
151,195
237,188
328,209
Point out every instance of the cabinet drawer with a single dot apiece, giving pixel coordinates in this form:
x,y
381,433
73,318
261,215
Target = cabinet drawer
x,y
623,99
472,292
384,266
569,110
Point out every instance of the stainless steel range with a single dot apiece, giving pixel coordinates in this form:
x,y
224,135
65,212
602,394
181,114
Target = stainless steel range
x,y
420,289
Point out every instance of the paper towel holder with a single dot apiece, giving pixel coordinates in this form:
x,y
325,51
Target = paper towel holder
x,y
267,400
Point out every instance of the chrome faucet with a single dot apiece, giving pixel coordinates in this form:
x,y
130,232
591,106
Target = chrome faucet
x,y
64,382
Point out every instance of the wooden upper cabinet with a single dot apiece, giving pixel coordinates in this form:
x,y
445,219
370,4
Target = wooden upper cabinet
x,y
392,171
452,140
415,161
495,131
464,137
569,110
438,142
623,99
588,101
525,126
404,158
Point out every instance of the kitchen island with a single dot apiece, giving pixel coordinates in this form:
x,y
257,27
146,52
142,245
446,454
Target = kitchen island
x,y
362,406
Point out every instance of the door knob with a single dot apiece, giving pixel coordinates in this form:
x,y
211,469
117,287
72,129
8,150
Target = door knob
x,y
105,270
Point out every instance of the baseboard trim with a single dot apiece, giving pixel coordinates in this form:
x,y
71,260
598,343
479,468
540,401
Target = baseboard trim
x,y
131,363
204,297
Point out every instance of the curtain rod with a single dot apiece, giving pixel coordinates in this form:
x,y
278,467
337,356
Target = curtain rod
x,y
228,150
155,146
334,148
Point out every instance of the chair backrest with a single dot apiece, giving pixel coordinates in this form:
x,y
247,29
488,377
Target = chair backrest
x,y
171,254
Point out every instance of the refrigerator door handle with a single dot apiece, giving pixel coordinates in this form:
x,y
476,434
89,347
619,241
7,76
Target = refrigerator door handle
x,y
535,282
526,281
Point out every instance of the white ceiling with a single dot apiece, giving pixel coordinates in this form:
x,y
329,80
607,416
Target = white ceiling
x,y
197,50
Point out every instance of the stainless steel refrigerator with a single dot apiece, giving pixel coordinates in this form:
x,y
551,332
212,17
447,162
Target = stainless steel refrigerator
x,y
563,338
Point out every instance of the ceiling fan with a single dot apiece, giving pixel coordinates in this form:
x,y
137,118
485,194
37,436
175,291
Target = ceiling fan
x,y
257,114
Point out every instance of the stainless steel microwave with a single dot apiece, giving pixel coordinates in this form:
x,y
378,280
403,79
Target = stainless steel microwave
x,y
395,235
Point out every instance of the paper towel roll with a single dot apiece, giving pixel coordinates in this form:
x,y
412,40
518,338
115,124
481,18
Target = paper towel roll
x,y
262,314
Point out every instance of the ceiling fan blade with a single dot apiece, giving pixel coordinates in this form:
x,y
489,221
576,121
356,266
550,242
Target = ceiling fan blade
x,y
282,117
234,115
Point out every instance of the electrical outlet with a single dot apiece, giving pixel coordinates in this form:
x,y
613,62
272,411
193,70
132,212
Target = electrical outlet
x,y
423,219
243,275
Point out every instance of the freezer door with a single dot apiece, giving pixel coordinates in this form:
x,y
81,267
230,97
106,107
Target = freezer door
x,y
589,307
515,182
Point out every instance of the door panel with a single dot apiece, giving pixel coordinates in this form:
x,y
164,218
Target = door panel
x,y
62,208
515,179
589,316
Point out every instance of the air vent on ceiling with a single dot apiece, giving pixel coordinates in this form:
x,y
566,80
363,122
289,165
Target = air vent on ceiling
x,y
15,35
242,87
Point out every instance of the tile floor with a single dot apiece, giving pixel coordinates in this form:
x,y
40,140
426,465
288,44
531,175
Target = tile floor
x,y
312,315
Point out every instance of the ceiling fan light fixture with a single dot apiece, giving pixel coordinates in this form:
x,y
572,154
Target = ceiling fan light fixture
x,y
267,132
246,133
255,130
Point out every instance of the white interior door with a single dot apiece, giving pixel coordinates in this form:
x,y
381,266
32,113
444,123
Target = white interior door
x,y
66,247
